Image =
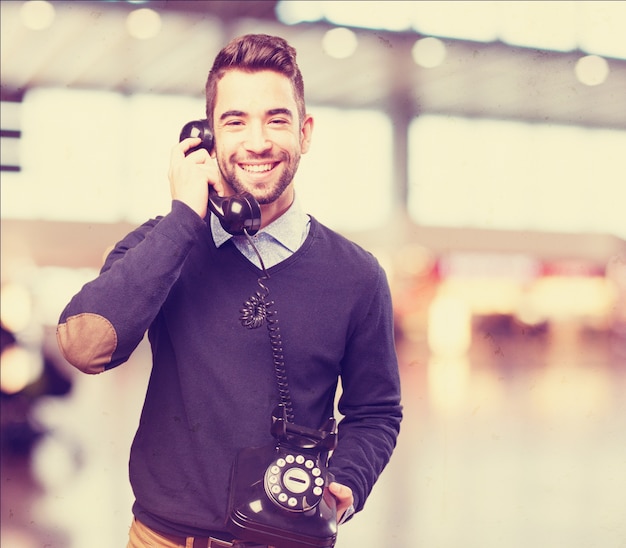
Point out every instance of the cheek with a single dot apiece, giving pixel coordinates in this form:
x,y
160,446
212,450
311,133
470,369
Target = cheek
x,y
223,154
295,144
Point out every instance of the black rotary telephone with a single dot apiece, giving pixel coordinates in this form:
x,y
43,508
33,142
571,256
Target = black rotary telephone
x,y
238,213
279,492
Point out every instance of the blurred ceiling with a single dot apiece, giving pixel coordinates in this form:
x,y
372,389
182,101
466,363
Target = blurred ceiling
x,y
88,46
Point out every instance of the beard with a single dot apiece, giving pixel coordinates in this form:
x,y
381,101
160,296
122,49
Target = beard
x,y
270,193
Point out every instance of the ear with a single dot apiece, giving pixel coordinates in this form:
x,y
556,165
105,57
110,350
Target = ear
x,y
306,133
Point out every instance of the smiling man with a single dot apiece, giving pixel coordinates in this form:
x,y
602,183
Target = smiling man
x,y
182,278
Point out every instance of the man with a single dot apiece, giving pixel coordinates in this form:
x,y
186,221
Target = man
x,y
182,278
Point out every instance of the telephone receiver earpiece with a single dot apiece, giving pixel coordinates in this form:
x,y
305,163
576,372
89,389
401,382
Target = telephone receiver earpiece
x,y
198,128
238,214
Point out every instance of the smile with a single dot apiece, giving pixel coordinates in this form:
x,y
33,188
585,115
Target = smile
x,y
257,168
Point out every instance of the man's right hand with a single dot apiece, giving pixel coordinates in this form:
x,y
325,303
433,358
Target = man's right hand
x,y
190,176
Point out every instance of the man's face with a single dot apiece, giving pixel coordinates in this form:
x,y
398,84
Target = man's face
x,y
258,136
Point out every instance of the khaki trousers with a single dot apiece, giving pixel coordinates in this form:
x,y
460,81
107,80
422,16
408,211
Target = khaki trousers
x,y
141,536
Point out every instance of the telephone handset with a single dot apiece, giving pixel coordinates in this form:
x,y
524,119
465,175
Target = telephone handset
x,y
238,214
279,492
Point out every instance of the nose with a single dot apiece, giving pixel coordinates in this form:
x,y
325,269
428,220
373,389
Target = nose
x,y
256,139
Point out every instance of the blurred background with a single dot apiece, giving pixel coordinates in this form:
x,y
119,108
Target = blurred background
x,y
476,148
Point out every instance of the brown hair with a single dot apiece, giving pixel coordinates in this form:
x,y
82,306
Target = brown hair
x,y
252,53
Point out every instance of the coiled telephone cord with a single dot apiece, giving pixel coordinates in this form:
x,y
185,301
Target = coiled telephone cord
x,y
256,310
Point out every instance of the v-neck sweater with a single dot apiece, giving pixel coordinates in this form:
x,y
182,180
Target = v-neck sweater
x,y
212,386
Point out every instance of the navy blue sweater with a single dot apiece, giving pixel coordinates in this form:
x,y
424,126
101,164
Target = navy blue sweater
x,y
212,386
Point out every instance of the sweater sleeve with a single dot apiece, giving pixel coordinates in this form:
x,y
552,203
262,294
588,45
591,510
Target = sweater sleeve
x,y
370,398
106,320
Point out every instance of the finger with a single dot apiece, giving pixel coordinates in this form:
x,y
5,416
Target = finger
x,y
181,149
189,143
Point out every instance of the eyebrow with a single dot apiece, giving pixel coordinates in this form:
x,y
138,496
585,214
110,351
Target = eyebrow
x,y
285,111
229,113
271,112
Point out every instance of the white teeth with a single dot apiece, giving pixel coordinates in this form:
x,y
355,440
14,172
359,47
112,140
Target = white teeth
x,y
256,168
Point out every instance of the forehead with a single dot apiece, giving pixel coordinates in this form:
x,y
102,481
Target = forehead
x,y
249,91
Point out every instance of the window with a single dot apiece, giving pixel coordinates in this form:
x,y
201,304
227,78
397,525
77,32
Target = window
x,y
509,175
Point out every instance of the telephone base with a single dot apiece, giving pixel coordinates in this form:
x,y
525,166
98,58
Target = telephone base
x,y
253,517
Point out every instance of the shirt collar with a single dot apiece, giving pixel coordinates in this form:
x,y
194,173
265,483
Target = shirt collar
x,y
289,229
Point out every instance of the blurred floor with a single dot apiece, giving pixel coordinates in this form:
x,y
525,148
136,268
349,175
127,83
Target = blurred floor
x,y
522,443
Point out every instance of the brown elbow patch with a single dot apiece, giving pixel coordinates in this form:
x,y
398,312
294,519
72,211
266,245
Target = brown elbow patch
x,y
87,341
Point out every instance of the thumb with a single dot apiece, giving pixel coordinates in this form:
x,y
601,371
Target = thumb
x,y
338,489
342,493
